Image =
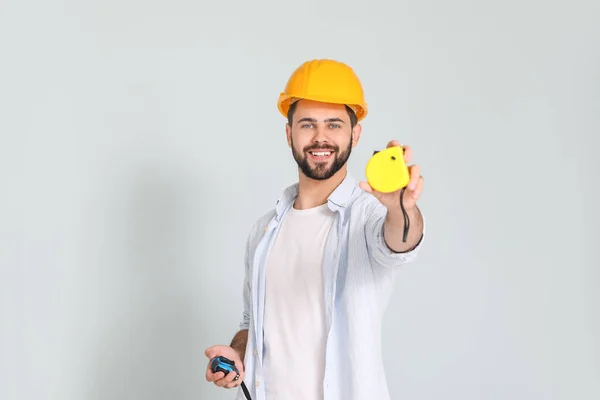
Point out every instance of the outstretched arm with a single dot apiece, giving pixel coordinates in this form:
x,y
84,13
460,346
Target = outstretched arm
x,y
389,220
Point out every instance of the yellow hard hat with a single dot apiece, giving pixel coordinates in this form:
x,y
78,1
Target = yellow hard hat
x,y
327,81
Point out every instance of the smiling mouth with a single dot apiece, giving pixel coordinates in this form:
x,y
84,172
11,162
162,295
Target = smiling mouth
x,y
321,153
320,156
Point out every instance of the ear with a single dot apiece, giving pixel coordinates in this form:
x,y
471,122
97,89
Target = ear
x,y
288,134
356,134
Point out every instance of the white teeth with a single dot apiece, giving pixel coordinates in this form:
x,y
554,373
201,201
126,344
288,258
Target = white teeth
x,y
322,153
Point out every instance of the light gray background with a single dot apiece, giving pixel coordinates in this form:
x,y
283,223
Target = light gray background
x,y
121,249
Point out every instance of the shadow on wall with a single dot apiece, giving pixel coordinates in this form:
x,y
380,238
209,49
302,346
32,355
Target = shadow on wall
x,y
149,347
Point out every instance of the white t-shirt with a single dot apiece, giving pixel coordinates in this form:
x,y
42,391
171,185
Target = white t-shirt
x,y
294,321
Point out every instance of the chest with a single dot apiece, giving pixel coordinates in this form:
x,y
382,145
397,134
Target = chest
x,y
298,250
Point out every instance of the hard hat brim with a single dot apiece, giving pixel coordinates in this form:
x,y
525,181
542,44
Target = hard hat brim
x,y
285,100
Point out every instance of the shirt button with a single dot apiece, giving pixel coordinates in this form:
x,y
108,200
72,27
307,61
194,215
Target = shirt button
x,y
257,383
255,352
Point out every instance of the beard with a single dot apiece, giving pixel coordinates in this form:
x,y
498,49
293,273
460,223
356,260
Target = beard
x,y
321,171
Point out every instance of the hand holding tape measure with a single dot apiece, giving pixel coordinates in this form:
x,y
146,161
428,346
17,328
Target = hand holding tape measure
x,y
392,181
225,368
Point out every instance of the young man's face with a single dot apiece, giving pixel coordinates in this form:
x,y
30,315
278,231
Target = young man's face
x,y
321,138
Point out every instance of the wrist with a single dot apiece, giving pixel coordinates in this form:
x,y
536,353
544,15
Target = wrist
x,y
395,212
240,351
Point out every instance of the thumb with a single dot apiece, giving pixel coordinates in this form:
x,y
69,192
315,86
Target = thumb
x,y
213,351
366,187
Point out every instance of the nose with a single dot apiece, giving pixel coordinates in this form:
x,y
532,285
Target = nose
x,y
320,135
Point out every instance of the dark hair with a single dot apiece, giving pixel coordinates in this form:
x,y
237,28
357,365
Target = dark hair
x,y
351,114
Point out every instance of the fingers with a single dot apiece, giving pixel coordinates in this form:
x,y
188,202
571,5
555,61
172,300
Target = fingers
x,y
211,376
415,173
407,154
367,188
418,189
226,379
235,383
212,352
393,143
228,382
222,380
219,378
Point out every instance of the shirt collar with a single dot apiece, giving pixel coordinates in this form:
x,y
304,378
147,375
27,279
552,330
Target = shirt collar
x,y
338,200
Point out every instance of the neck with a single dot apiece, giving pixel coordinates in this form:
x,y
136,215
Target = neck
x,y
313,193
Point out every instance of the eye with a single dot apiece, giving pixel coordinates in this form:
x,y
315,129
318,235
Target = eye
x,y
334,126
306,126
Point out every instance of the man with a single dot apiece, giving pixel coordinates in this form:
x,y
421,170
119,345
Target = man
x,y
320,266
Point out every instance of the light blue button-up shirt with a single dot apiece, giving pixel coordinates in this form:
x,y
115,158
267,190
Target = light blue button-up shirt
x,y
358,277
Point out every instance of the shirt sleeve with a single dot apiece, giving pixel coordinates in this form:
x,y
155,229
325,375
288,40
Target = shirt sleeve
x,y
380,253
246,290
254,236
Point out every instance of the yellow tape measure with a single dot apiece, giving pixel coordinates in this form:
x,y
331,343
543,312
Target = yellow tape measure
x,y
386,170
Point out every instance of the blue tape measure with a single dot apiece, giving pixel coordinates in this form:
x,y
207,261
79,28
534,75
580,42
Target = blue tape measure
x,y
226,366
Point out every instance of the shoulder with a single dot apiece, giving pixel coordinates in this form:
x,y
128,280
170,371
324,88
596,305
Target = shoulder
x,y
286,197
258,228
